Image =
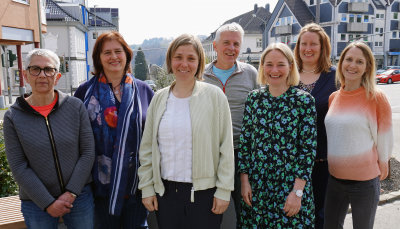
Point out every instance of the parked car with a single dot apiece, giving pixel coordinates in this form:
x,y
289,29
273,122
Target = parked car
x,y
389,76
380,71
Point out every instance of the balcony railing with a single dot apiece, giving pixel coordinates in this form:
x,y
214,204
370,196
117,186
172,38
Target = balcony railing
x,y
283,29
358,7
357,27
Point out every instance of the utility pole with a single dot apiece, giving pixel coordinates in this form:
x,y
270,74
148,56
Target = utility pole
x,y
40,22
95,21
264,38
317,14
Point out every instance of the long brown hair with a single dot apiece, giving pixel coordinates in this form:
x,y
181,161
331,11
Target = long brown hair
x,y
324,60
98,48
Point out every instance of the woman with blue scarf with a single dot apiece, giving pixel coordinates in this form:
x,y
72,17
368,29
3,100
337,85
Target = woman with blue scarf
x,y
117,103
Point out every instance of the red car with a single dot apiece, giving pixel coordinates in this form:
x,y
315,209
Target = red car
x,y
388,76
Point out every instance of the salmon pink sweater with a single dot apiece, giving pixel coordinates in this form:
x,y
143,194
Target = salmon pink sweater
x,y
360,135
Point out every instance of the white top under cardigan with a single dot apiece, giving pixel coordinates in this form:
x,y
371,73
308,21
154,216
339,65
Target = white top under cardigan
x,y
175,140
212,144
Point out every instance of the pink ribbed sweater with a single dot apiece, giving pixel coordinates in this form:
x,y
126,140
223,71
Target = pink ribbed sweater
x,y
360,135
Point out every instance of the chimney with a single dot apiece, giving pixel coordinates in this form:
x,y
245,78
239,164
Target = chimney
x,y
267,7
255,8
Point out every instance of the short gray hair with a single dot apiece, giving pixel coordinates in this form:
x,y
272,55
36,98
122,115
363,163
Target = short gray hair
x,y
45,53
232,27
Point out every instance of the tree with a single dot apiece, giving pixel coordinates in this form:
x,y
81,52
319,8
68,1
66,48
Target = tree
x,y
163,78
141,69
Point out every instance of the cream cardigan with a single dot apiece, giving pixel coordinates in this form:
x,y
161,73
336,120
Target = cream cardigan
x,y
213,160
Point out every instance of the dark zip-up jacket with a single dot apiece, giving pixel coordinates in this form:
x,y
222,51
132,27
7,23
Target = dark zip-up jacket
x,y
49,156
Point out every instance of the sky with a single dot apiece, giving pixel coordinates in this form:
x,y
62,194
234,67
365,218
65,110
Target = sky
x,y
145,19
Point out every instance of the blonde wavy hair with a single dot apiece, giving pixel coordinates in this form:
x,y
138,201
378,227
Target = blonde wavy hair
x,y
368,78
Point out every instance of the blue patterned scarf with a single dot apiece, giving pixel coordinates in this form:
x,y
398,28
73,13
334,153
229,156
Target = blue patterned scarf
x,y
117,133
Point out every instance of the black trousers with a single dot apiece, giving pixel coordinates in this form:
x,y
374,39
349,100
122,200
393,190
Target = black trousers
x,y
175,211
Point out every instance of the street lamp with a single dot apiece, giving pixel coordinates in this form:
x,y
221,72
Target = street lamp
x,y
265,27
95,21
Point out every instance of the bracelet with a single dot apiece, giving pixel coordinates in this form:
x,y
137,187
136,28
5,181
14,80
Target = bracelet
x,y
73,195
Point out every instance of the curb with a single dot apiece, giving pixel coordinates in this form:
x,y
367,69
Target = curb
x,y
389,198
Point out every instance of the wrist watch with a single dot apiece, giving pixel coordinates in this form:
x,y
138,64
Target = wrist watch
x,y
73,195
298,192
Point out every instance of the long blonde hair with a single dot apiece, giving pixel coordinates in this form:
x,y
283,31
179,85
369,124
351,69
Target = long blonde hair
x,y
368,78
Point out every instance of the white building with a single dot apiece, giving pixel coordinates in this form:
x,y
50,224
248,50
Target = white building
x,y
253,23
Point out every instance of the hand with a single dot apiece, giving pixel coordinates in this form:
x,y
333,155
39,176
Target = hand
x,y
150,203
292,204
68,197
59,208
219,206
246,189
384,168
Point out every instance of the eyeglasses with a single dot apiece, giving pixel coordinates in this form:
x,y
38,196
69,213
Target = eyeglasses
x,y
36,70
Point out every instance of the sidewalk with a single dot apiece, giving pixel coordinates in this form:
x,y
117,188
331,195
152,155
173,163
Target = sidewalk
x,y
387,217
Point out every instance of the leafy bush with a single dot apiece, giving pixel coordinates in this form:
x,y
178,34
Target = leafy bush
x,y
8,187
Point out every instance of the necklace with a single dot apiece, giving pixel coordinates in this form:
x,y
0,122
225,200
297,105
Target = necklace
x,y
116,89
312,71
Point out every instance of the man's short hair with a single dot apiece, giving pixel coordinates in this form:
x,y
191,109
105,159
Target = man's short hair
x,y
232,27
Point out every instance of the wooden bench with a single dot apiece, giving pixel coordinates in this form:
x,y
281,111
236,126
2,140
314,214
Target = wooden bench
x,y
10,213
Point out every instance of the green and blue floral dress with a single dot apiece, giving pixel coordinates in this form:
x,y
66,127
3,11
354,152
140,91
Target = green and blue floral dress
x,y
277,145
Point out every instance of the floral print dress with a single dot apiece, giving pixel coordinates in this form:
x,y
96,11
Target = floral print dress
x,y
277,145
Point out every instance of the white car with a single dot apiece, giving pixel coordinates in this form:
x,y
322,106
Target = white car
x,y
379,71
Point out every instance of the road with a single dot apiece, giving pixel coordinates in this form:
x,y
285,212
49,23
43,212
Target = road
x,y
393,93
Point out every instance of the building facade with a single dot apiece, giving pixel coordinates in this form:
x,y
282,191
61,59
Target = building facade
x,y
16,32
375,22
67,36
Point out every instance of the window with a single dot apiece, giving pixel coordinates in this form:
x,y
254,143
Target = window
x,y
294,20
366,38
343,37
351,37
344,17
376,30
95,35
312,2
295,38
283,21
382,16
359,18
277,23
394,34
396,15
289,20
366,18
351,18
259,42
378,44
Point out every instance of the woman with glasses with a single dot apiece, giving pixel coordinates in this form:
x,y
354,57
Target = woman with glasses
x,y
117,105
50,149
